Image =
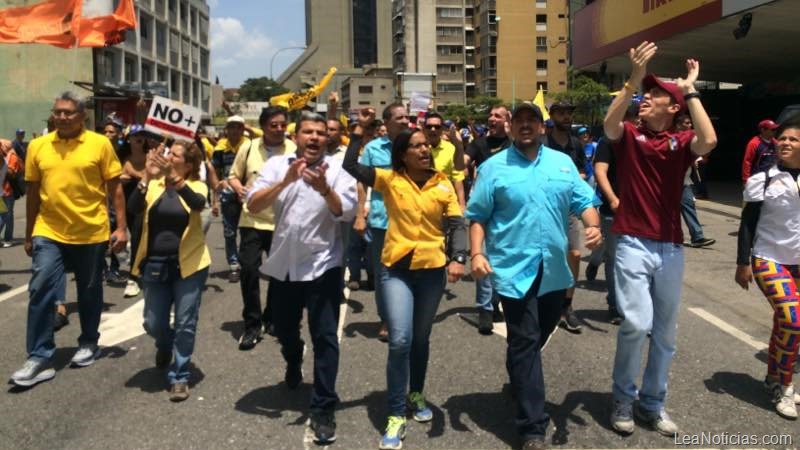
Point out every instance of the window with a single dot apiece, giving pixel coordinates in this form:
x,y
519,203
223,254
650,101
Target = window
x,y
543,86
146,73
144,28
363,102
541,64
449,87
541,19
541,44
448,31
449,12
130,71
445,50
105,65
541,4
561,16
365,89
562,61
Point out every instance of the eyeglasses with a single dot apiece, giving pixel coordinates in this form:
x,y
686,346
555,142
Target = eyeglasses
x,y
64,112
277,125
433,127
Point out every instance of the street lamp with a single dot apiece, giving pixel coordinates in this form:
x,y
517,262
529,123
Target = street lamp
x,y
272,61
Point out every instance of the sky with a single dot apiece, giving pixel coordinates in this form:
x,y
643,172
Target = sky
x,y
245,34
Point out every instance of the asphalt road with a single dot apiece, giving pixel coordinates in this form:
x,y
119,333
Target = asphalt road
x,y
238,399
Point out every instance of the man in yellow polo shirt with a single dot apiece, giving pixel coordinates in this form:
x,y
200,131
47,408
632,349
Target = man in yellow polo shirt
x,y
443,153
70,173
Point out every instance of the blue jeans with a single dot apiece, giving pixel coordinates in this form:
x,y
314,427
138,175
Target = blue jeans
x,y
649,277
159,297
357,255
376,238
7,219
47,282
605,255
230,210
689,213
411,298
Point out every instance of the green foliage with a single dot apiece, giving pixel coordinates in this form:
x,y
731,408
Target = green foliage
x,y
476,109
591,99
259,89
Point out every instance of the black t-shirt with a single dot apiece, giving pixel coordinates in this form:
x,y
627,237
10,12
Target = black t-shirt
x,y
168,221
605,154
574,150
484,148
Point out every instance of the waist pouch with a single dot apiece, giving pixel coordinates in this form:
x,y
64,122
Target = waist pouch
x,y
160,269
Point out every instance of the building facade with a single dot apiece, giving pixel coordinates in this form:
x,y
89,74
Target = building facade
x,y
373,88
167,55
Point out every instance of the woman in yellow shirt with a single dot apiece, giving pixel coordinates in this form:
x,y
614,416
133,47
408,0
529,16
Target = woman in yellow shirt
x,y
423,210
172,259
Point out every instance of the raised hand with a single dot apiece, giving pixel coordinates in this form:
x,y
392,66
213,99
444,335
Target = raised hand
x,y
640,56
316,178
296,169
152,169
692,72
365,117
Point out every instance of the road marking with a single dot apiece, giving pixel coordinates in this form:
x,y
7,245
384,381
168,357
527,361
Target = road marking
x,y
13,293
728,328
122,326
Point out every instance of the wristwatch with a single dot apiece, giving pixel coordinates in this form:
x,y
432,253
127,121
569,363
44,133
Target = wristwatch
x,y
460,258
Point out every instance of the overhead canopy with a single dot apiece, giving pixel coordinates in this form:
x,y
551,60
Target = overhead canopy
x,y
702,29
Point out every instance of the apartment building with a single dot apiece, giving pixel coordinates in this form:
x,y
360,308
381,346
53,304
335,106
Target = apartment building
x,y
167,55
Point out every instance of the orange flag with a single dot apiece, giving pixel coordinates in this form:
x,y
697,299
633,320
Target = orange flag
x,y
98,29
49,22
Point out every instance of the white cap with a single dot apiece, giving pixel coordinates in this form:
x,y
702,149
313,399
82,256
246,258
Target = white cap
x,y
235,119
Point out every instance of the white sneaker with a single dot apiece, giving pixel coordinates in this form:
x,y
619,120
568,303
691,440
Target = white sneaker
x,y
86,355
6,244
132,289
783,397
34,371
772,384
622,417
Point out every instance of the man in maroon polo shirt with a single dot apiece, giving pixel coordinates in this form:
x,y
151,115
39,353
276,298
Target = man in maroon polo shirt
x,y
648,267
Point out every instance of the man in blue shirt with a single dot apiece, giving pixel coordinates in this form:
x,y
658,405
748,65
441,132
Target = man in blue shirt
x,y
520,204
378,153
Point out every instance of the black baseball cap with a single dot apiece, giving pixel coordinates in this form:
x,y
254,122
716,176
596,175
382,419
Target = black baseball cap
x,y
563,105
530,107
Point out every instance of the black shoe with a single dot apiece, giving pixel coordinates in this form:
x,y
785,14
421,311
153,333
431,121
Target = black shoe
x,y
250,338
614,317
570,321
369,285
591,272
269,328
163,358
324,427
233,276
497,315
485,321
537,443
705,242
294,375
60,321
115,278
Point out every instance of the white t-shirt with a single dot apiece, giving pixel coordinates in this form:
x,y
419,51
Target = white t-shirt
x,y
778,232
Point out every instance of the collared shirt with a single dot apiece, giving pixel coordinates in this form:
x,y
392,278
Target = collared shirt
x,y
378,154
308,238
416,217
247,172
72,174
524,206
778,233
443,155
338,152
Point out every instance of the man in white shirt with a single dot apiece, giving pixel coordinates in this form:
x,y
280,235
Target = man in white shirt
x,y
310,195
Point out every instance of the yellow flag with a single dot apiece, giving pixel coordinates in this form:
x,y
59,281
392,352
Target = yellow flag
x,y
539,101
297,100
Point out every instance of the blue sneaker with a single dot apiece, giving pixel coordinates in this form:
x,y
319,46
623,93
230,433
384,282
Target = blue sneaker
x,y
395,433
421,411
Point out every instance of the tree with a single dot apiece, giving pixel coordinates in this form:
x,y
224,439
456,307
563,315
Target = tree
x,y
260,89
590,99
477,109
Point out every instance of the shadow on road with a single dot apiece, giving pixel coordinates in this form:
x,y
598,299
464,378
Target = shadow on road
x,y
490,411
741,386
154,380
595,403
235,328
274,401
367,329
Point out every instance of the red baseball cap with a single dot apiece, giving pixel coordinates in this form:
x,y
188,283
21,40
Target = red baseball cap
x,y
768,124
672,89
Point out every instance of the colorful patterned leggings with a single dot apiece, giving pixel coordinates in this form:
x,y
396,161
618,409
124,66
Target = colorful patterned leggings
x,y
779,284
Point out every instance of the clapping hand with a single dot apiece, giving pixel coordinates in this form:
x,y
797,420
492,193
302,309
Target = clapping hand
x,y
640,56
692,72
296,169
316,178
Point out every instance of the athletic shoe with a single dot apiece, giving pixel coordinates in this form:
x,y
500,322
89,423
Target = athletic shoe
x,y
234,275
132,289
702,243
34,371
250,338
395,433
60,321
86,355
570,321
591,272
497,315
485,324
324,427
536,443
178,392
6,244
771,384
115,278
659,421
622,417
418,406
163,358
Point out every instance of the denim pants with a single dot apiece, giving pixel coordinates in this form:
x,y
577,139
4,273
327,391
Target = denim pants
x,y
376,238
230,210
7,219
253,243
411,298
605,255
159,298
689,213
322,298
357,256
649,277
529,321
47,281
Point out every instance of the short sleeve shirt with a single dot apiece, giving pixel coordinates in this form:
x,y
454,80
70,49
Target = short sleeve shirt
x,y
443,155
778,233
377,153
484,148
650,170
603,154
72,174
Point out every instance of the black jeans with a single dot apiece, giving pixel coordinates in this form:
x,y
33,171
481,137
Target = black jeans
x,y
322,298
252,243
530,321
